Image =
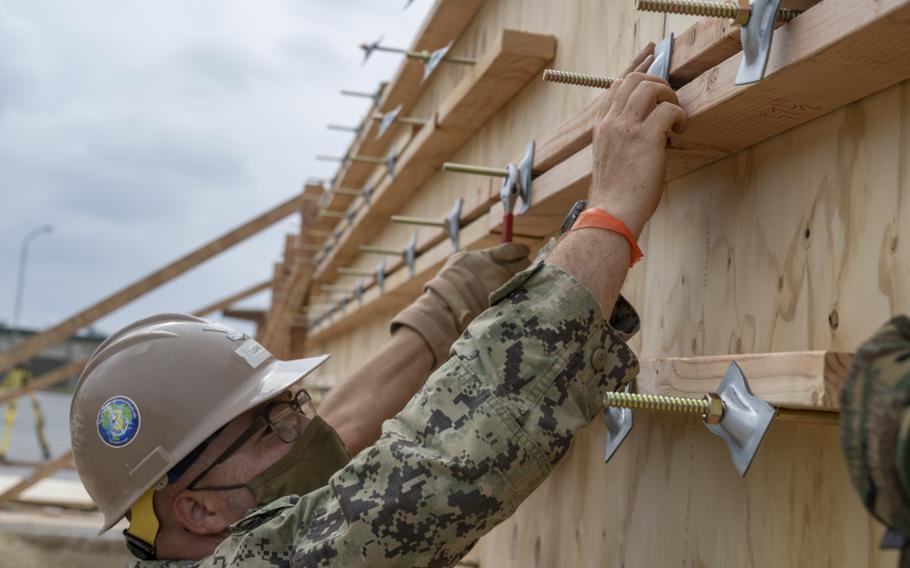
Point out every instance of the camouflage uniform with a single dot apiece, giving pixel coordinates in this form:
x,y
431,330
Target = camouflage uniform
x,y
485,430
875,425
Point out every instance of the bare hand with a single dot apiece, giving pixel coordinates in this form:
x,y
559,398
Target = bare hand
x,y
630,148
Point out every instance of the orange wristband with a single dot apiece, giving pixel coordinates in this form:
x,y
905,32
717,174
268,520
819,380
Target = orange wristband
x,y
595,218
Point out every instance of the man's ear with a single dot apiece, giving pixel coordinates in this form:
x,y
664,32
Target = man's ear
x,y
200,512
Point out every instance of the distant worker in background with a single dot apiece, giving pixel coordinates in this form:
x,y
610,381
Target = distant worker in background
x,y
217,458
875,430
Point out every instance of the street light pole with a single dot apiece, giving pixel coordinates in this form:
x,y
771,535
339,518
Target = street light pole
x,y
20,280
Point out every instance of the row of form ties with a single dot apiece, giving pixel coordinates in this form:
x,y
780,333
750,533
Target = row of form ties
x,y
740,14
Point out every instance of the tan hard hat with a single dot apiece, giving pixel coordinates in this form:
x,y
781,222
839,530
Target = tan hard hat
x,y
154,391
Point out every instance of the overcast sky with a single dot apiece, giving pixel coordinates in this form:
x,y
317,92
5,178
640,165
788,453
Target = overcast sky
x,y
141,130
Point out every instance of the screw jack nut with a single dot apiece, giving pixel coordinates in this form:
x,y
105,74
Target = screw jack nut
x,y
715,408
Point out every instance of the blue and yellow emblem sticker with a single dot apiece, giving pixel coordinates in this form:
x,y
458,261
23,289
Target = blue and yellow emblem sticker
x,y
118,421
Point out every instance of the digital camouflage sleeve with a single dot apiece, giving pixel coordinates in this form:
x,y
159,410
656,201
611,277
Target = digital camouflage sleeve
x,y
875,426
484,431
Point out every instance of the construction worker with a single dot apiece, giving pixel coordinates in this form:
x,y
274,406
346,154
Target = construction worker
x,y
875,430
199,437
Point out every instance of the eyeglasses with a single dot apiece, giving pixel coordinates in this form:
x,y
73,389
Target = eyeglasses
x,y
282,417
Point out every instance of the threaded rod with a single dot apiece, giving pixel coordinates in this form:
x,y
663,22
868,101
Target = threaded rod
x,y
368,160
657,402
403,220
354,271
475,170
706,9
381,250
578,79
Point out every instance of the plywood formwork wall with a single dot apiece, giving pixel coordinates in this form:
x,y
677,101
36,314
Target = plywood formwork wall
x,y
794,244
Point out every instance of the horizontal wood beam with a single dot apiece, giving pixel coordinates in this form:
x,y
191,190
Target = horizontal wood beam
x,y
229,301
510,63
808,380
252,315
446,22
829,57
65,329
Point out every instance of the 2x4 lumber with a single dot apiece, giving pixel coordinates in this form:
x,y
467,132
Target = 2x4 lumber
x,y
400,288
836,53
65,329
832,55
41,473
510,64
802,380
808,380
446,22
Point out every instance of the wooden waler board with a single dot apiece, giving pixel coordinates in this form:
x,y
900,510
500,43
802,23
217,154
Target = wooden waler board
x,y
791,244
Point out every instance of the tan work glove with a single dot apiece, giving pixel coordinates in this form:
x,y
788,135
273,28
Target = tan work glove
x,y
459,293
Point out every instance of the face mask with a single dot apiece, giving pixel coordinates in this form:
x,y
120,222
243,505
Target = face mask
x,y
312,460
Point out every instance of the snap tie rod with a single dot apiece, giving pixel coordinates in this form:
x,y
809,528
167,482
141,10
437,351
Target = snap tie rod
x,y
332,214
340,128
475,170
383,251
421,221
423,55
361,159
730,10
375,97
578,79
414,121
359,94
355,271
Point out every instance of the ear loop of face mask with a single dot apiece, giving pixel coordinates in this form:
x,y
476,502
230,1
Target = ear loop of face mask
x,y
144,525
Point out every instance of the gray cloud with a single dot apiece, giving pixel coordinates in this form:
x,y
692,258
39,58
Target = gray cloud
x,y
141,130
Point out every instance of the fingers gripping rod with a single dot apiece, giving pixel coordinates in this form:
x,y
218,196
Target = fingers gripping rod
x,y
660,67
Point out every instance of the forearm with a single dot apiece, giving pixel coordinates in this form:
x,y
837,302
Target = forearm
x,y
377,390
598,259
